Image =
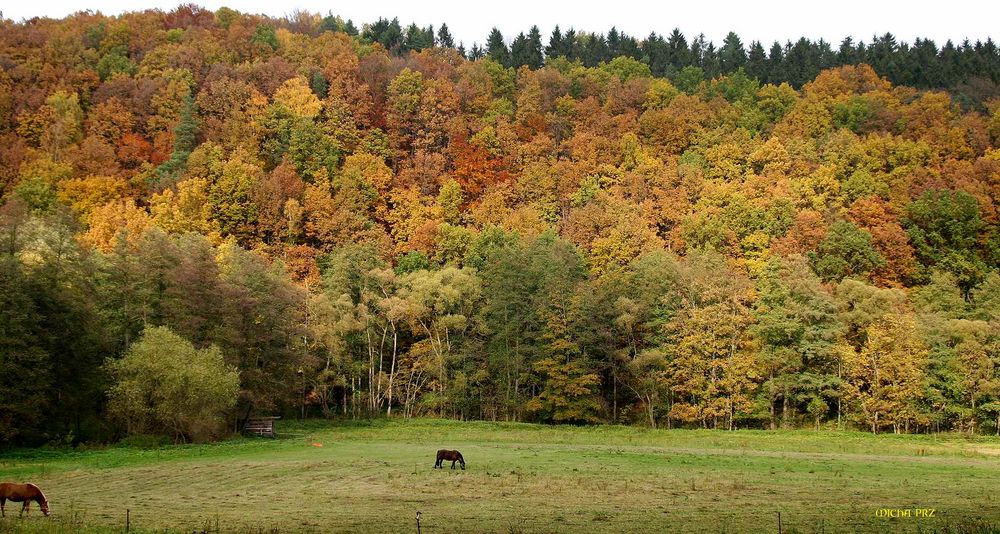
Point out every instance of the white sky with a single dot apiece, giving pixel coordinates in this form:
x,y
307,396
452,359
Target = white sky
x,y
764,20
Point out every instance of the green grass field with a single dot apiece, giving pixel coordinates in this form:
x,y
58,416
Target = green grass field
x,y
374,477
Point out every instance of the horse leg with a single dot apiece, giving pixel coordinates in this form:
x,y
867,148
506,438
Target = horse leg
x,y
3,501
26,508
453,463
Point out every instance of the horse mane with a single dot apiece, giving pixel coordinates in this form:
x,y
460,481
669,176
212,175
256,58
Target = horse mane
x,y
41,496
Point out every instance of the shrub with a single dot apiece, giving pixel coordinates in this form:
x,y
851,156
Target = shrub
x,y
164,384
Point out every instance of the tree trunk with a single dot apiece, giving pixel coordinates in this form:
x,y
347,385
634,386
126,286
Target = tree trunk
x,y
614,388
392,370
784,409
517,386
774,423
371,372
732,414
649,411
839,396
973,414
377,405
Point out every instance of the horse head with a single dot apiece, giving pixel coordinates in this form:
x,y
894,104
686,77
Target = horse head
x,y
39,497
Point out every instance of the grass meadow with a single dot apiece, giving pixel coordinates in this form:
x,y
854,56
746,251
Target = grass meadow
x,y
374,476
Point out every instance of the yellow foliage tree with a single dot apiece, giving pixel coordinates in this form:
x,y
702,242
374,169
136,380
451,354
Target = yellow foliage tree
x,y
120,219
186,210
886,377
296,97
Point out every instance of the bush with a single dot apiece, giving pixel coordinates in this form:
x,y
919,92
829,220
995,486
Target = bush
x,y
164,384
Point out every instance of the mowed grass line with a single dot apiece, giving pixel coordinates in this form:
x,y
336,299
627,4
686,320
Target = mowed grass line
x,y
523,478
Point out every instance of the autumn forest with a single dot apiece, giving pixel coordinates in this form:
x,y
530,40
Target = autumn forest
x,y
206,216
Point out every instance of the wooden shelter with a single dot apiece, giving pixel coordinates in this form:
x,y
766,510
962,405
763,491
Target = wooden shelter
x,y
260,426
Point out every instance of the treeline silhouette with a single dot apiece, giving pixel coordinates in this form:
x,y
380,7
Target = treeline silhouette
x,y
974,68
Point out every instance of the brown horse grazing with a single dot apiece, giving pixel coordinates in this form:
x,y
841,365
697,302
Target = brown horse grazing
x,y
22,493
451,456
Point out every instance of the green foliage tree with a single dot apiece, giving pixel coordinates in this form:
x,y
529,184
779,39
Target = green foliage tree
x,y
526,50
113,64
944,227
185,141
439,307
846,251
641,299
444,38
800,339
265,36
496,48
163,383
24,364
53,335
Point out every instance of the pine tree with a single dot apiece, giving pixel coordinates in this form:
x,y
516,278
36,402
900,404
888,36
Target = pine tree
x,y
570,45
331,23
519,51
496,48
385,32
710,61
731,55
427,39
527,49
775,64
185,139
535,57
847,54
629,47
444,38
476,52
413,39
614,40
757,62
595,49
677,49
555,46
656,54
697,51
